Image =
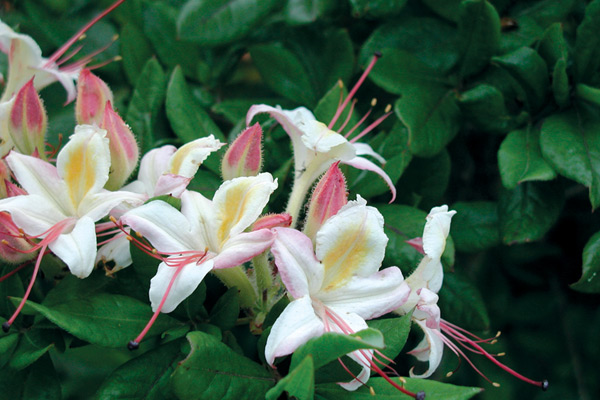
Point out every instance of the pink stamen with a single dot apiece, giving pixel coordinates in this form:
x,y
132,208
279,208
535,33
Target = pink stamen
x,y
14,271
63,49
371,127
348,116
359,123
70,55
354,89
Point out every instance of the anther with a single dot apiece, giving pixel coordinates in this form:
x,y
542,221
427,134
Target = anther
x,y
495,384
340,83
6,328
82,36
501,354
494,341
388,108
113,219
449,374
402,379
139,235
133,345
420,395
115,37
373,102
117,58
498,334
378,54
544,386
371,390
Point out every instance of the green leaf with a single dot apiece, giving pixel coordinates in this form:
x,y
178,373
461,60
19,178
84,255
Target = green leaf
x,y
520,159
299,382
283,72
395,332
530,71
462,303
212,23
38,382
214,371
478,35
383,390
144,377
299,12
328,105
108,320
529,211
588,93
331,346
569,142
145,104
526,32
553,46
226,310
587,45
33,344
376,8
160,27
135,51
560,83
590,277
8,343
448,9
475,226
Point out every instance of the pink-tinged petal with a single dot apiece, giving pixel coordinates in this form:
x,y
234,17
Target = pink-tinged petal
x,y
364,164
13,248
92,96
32,213
427,308
242,248
171,184
165,227
78,248
28,120
186,160
41,178
6,143
51,74
369,297
240,201
298,267
200,213
271,221
437,229
84,162
320,139
244,155
430,349
297,324
117,252
154,163
351,243
98,205
363,149
186,282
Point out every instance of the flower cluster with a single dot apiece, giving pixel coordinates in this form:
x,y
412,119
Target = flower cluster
x,y
81,204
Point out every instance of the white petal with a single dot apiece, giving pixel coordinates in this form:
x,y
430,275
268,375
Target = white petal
x,y
186,160
98,205
430,349
243,247
436,231
369,297
77,248
201,215
295,326
32,213
364,164
298,267
117,251
363,149
184,285
427,309
171,184
153,165
319,138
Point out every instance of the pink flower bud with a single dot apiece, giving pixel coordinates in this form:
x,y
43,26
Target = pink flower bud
x,y
328,197
244,156
28,120
13,246
270,221
124,151
92,95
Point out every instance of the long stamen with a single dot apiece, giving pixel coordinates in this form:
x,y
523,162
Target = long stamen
x,y
359,123
372,126
341,128
354,89
63,49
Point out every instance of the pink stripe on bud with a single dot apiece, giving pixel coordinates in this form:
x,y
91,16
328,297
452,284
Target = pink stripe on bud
x,y
271,221
328,197
28,121
92,95
124,151
244,156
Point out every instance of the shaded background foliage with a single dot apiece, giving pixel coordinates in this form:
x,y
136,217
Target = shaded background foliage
x,y
495,113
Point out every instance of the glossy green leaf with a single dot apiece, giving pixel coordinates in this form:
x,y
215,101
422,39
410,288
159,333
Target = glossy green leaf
x,y
383,390
525,33
211,23
570,143
38,382
33,344
530,71
109,320
587,45
588,93
147,99
283,72
529,211
300,12
553,46
560,83
135,50
8,343
299,382
328,105
144,377
462,304
475,226
478,35
395,332
214,371
520,159
448,9
590,277
377,8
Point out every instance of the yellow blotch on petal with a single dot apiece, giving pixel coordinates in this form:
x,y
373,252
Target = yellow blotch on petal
x,y
233,208
80,172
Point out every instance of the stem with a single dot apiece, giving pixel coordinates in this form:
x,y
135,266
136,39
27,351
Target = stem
x,y
237,277
296,200
262,270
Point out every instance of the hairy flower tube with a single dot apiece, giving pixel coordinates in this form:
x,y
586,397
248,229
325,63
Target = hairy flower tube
x,y
336,286
63,202
205,235
424,283
317,146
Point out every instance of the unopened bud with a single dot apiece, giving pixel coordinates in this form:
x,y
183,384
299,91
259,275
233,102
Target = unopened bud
x,y
244,156
13,246
124,150
328,197
28,121
92,96
270,221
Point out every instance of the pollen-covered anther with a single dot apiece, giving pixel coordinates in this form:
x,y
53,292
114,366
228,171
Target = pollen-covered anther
x,y
371,390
